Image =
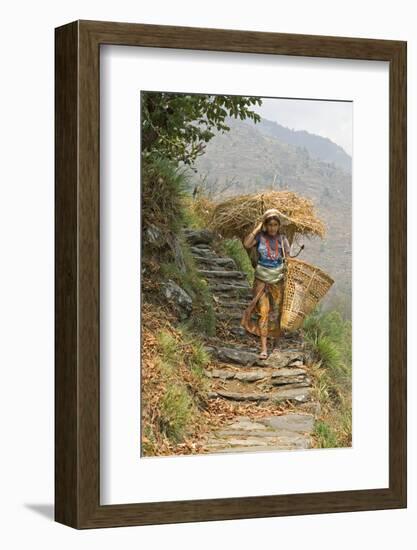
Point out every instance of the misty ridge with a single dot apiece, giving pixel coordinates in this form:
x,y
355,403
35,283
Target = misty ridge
x,y
319,147
252,157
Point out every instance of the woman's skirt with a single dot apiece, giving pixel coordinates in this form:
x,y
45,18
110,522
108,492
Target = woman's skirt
x,y
268,293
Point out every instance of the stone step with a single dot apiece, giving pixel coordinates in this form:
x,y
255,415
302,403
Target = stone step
x,y
282,446
204,255
292,371
198,237
201,246
231,299
232,304
243,376
246,357
228,287
282,377
280,432
293,381
282,442
303,423
294,395
223,274
245,295
202,250
216,262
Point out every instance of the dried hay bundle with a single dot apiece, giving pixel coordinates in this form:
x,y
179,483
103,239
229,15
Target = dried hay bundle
x,y
237,216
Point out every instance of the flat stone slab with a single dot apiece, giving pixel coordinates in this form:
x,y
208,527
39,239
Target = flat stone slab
x,y
250,376
235,396
219,373
226,297
225,287
247,424
234,355
224,374
233,305
293,381
224,274
277,432
297,363
203,253
255,449
215,262
277,360
264,434
284,441
198,237
286,372
281,359
303,423
282,377
297,395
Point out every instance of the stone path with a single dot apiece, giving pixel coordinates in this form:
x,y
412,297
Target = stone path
x,y
239,376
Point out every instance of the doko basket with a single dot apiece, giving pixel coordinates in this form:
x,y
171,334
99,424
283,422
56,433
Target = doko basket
x,y
305,285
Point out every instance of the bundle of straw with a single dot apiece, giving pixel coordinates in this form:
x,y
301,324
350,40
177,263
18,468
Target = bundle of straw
x,y
237,216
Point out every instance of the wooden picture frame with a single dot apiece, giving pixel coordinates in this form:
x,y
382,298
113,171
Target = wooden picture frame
x,y
77,358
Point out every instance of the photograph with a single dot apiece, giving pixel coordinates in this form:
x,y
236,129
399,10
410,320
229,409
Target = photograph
x,y
246,273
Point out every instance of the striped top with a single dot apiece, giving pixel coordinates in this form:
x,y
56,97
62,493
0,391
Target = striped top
x,y
270,249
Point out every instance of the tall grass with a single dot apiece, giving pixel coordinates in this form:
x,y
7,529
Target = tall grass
x,y
329,337
164,189
178,408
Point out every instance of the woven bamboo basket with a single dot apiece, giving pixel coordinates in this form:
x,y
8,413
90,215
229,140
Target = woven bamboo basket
x,y
305,285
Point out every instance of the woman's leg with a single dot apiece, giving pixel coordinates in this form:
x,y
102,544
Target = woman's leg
x,y
246,321
277,292
263,310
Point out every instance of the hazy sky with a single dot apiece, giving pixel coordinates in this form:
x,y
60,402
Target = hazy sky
x,y
331,119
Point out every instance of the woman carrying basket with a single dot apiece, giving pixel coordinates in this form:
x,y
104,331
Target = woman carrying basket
x,y
268,284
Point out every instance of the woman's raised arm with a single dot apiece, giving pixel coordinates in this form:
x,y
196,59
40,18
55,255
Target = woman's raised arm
x,y
250,239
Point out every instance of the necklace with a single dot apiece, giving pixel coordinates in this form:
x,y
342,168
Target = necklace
x,y
268,248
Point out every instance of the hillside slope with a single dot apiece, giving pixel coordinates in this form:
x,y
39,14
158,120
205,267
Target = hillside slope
x,y
318,147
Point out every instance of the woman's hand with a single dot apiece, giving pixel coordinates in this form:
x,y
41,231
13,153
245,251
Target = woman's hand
x,y
250,239
258,228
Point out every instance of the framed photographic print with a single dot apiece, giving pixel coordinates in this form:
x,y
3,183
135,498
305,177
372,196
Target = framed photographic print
x,y
230,331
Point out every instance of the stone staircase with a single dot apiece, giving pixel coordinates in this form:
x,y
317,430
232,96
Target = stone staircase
x,y
281,383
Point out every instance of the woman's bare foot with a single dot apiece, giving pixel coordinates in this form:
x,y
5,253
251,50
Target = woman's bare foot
x,y
263,355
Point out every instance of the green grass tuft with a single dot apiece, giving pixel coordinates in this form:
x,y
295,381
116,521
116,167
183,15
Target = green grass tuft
x,y
164,190
326,438
177,412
